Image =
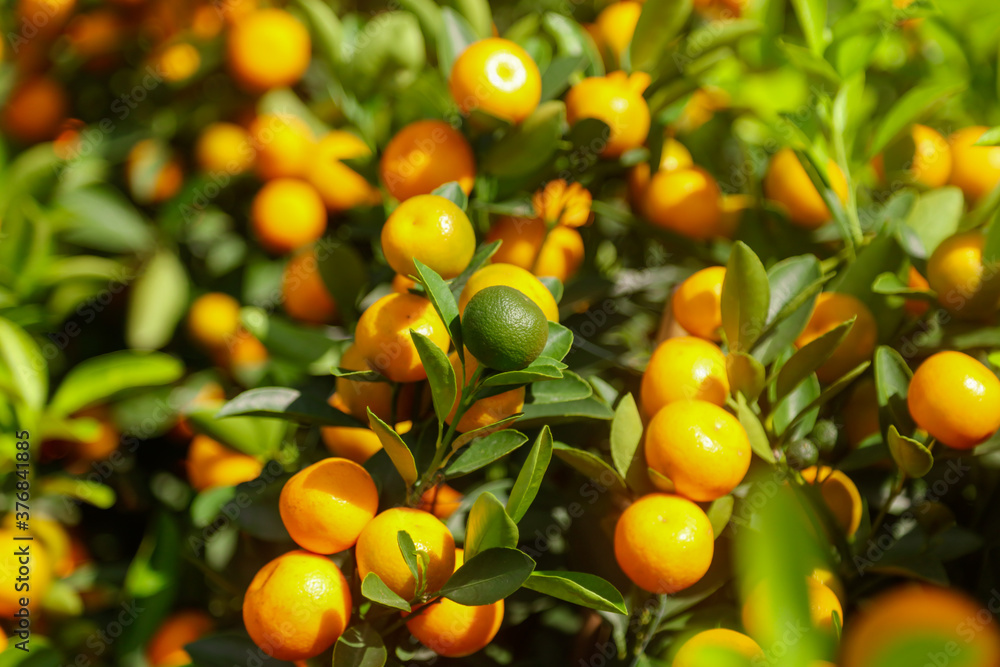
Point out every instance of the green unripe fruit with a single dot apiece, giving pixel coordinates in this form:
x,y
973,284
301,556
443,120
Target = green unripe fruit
x,y
802,453
504,329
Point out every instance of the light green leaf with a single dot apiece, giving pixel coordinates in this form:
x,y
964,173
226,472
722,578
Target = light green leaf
x,y
586,590
658,24
98,379
375,590
488,526
402,457
759,443
288,404
530,478
626,444
911,456
440,374
810,357
158,301
746,296
490,576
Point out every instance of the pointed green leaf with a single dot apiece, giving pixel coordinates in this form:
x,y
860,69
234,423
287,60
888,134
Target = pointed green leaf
x,y
658,24
892,383
158,300
443,300
910,107
530,478
440,374
746,296
286,403
375,590
746,375
719,513
626,444
911,456
409,551
402,457
99,378
586,590
485,451
488,526
590,465
759,443
809,357
360,646
490,576
812,18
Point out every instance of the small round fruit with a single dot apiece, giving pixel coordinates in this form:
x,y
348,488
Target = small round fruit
x,y
975,169
224,148
685,368
442,501
512,276
664,543
454,630
930,621
929,163
424,156
356,443
340,187
432,229
360,397
213,320
700,447
166,647
685,201
833,309
485,411
617,101
788,185
956,399
840,495
383,335
673,156
325,506
34,109
153,172
503,328
284,144
697,303
616,24
211,464
378,550
955,273
297,606
303,292
268,49
498,77
699,649
287,214
528,244
759,614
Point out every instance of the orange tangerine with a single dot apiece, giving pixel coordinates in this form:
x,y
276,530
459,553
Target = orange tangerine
x,y
684,201
833,309
975,169
498,77
267,49
383,335
284,144
166,648
303,292
432,229
684,368
616,100
211,464
956,399
788,185
424,156
697,303
287,214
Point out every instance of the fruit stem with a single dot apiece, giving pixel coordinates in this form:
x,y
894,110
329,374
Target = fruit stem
x,y
661,611
896,490
443,450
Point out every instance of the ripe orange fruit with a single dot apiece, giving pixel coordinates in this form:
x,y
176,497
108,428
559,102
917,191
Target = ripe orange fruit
x,y
615,99
245,354
297,606
684,201
46,16
956,399
267,49
424,156
861,413
935,619
916,307
442,501
34,110
287,214
224,148
153,171
39,568
178,62
284,144
432,229
731,209
833,309
929,164
975,169
378,550
693,652
616,24
401,284
96,37
564,204
498,77
684,368
211,464
357,444
213,319
383,337
697,303
955,273
166,648
788,185
758,611
325,506
485,411
664,543
359,397
100,446
840,495
528,244
341,187
673,156
512,276
700,447
303,292
454,630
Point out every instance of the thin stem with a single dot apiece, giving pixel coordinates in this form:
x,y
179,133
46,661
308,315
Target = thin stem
x,y
661,611
884,512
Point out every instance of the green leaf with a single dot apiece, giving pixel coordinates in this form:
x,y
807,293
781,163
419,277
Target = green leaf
x,y
84,490
98,379
936,216
555,78
495,427
570,387
360,646
719,513
488,526
559,343
104,220
478,14
454,37
586,590
809,357
910,108
325,29
553,285
443,300
590,465
375,590
812,18
529,145
572,40
659,23
889,284
490,576
409,551
288,404
402,457
912,457
538,414
440,374
746,375
256,436
541,368
759,443
790,408
530,478
892,382
626,444
485,451
746,297
809,61
345,274
157,302
454,193
22,365
991,137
